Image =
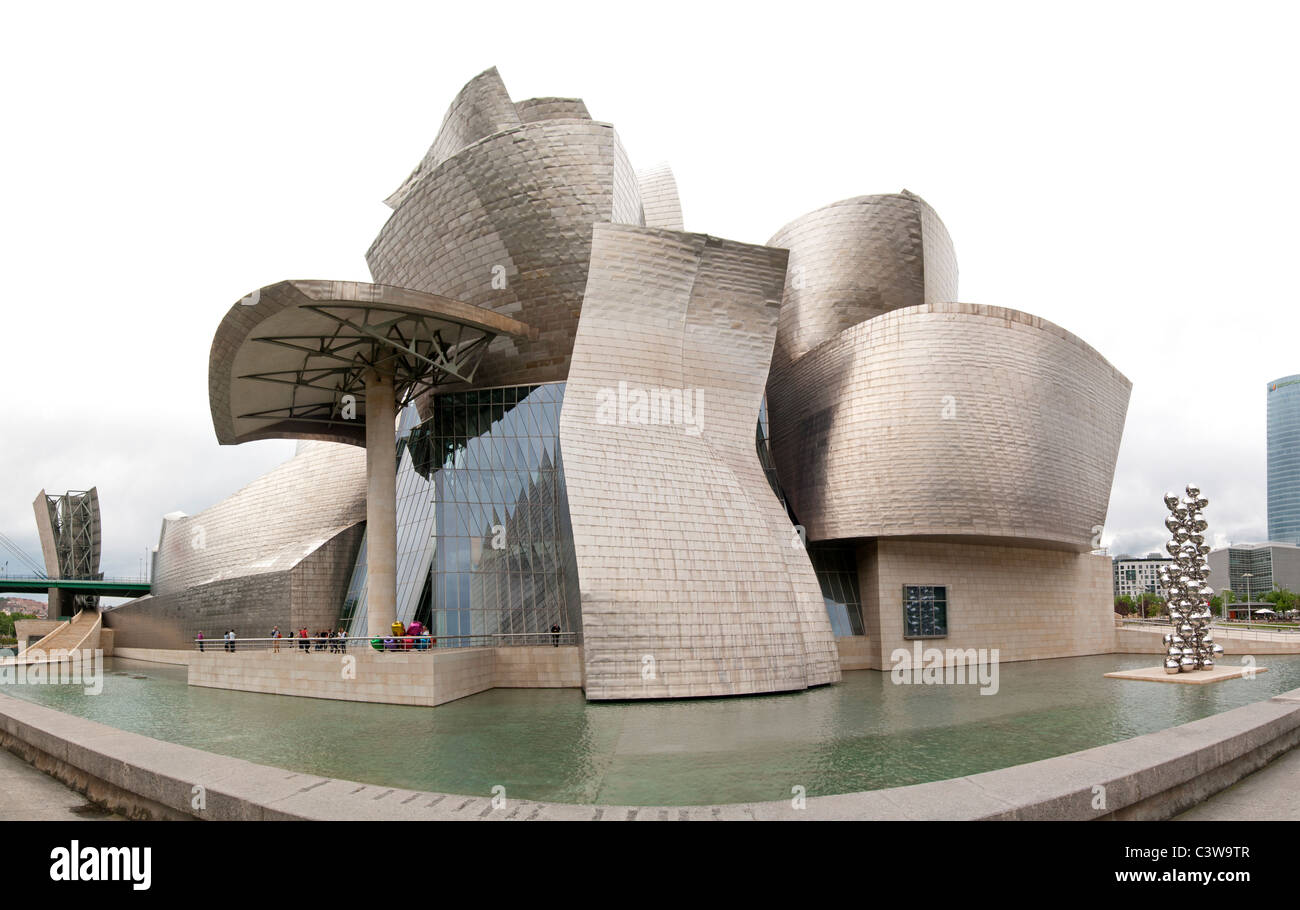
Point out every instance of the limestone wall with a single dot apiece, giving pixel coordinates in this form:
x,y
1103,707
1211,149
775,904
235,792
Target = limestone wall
x,y
1026,602
395,678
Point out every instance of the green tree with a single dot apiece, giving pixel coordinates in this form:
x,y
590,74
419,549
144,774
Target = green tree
x,y
1281,598
7,621
1151,604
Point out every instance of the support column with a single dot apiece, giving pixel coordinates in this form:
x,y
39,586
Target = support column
x,y
381,505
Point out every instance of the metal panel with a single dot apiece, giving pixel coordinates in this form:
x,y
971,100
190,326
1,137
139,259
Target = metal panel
x,y
693,582
950,420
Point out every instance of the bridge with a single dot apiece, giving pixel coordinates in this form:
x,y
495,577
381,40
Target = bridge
x,y
69,531
105,587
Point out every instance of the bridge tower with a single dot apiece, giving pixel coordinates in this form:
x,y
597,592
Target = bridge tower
x,y
68,525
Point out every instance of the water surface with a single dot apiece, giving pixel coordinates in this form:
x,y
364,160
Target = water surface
x,y
550,744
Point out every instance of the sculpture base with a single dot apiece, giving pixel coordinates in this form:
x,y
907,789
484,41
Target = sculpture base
x,y
1191,678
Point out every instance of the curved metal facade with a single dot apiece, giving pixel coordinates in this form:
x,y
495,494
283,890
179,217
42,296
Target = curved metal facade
x,y
661,206
481,108
1284,459
950,420
499,214
857,259
279,551
692,579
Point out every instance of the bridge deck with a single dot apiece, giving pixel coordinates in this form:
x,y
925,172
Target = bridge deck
x,y
104,586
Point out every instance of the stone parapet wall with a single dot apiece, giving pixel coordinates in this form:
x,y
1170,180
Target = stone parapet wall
x,y
1155,776
1129,640
395,678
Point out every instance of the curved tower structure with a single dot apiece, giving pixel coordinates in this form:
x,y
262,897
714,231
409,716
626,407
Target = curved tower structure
x,y
950,420
950,463
499,215
857,259
693,582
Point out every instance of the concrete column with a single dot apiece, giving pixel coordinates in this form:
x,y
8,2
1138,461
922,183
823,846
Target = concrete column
x,y
381,504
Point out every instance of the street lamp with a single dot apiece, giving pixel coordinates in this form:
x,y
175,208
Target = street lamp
x,y
1248,576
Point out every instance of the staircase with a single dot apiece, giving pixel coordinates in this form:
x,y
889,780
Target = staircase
x,y
82,631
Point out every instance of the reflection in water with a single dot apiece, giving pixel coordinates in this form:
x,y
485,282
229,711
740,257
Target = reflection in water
x,y
550,744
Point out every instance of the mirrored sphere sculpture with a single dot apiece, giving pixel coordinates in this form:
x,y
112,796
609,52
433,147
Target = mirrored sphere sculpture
x,y
1190,646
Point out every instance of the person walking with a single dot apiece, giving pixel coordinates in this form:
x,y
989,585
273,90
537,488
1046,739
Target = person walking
x,y
555,634
200,640
275,640
232,641
343,641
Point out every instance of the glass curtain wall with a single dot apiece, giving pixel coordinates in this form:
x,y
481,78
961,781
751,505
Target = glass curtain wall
x,y
484,542
836,566
1284,460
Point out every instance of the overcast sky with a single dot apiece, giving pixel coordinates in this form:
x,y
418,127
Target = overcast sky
x,y
1128,171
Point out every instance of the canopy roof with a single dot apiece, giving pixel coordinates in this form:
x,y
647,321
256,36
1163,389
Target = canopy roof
x,y
284,357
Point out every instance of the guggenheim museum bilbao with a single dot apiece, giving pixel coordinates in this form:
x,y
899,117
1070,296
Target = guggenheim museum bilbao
x,y
555,407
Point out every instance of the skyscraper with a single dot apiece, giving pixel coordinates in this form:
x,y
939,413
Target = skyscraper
x,y
1284,459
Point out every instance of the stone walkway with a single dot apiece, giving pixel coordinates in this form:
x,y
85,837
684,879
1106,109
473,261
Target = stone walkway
x,y
1270,794
27,794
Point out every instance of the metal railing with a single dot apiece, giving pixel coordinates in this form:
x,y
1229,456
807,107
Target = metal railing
x,y
1232,631
114,579
316,644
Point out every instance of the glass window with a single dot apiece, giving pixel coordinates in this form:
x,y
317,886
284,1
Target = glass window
x,y
925,611
837,573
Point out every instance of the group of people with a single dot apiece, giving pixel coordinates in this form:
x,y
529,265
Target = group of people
x,y
337,642
228,641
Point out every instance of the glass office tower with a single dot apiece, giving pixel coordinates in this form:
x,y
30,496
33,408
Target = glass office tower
x,y
1284,460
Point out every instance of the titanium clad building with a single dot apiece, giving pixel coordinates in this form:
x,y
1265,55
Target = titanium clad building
x,y
277,552
954,459
752,464
1284,459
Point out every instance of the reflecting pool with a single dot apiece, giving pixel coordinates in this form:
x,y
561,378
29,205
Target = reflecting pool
x,y
550,744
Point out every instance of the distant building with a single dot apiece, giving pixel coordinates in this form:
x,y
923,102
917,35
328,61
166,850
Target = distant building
x,y
1270,565
1138,575
1284,460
